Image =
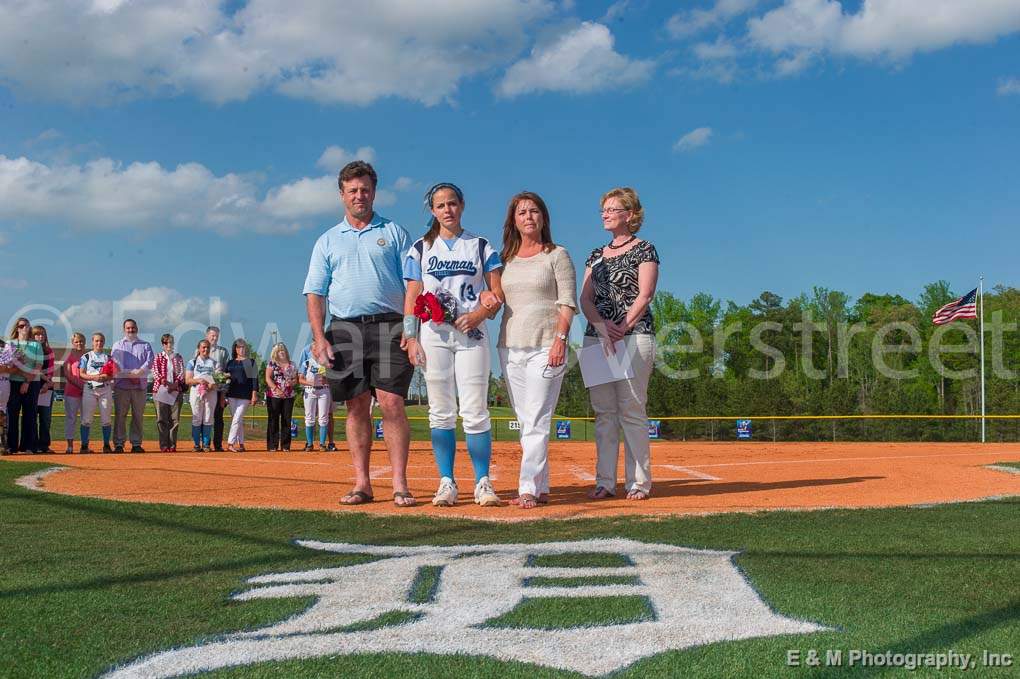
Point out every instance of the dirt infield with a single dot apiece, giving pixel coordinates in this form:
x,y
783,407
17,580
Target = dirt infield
x,y
689,478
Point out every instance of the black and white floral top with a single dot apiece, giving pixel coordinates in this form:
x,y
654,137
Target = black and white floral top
x,y
615,286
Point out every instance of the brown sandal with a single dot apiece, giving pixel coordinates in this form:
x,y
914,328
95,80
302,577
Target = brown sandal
x,y
600,493
403,495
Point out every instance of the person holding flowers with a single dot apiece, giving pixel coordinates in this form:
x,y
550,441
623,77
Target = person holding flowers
x,y
168,372
242,392
453,286
318,401
281,376
199,375
97,368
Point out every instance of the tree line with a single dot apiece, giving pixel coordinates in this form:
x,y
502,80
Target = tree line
x,y
825,354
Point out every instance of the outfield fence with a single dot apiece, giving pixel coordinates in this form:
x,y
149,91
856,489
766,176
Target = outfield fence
x,y
870,427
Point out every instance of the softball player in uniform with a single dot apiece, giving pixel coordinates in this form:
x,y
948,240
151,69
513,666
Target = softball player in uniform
x,y
451,261
317,397
203,396
98,392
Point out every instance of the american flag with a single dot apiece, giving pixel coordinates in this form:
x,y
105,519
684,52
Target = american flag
x,y
965,307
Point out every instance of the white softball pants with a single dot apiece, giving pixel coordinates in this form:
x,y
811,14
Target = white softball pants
x,y
456,368
318,403
238,407
90,399
202,407
534,389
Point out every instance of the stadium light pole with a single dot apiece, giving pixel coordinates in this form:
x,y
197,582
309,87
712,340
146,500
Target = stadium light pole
x,y
981,338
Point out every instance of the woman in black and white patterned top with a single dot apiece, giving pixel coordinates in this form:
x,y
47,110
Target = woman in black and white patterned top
x,y
619,283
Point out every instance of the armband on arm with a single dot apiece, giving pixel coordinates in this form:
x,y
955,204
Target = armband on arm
x,y
410,326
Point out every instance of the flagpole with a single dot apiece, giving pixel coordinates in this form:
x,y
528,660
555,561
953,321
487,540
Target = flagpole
x,y
981,314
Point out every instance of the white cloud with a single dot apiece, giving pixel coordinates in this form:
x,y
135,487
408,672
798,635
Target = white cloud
x,y
157,310
891,29
694,139
615,11
329,52
13,283
581,60
689,22
404,184
304,198
106,195
1008,86
719,50
335,157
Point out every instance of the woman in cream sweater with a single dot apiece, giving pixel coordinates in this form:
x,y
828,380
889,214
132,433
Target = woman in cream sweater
x,y
539,284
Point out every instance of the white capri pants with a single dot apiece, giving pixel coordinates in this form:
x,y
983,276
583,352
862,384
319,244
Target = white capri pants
x,y
202,407
456,367
72,410
620,406
534,389
318,403
103,398
238,407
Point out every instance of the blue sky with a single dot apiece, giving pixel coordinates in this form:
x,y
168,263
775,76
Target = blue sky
x,y
172,152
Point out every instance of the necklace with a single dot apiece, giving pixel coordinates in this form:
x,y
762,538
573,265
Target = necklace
x,y
617,247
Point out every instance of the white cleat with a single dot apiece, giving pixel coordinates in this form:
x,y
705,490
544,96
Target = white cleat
x,y
485,495
446,496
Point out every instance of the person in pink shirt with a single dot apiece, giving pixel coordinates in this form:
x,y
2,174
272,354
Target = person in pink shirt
x,y
73,385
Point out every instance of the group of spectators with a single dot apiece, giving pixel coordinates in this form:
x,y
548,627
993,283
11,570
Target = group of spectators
x,y
116,384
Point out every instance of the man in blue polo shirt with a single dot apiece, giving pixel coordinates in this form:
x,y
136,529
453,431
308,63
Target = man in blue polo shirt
x,y
356,268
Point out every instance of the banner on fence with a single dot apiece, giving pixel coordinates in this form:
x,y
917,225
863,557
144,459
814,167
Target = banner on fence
x,y
378,429
563,429
654,429
743,429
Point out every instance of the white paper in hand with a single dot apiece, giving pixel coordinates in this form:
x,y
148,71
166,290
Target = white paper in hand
x,y
164,396
598,368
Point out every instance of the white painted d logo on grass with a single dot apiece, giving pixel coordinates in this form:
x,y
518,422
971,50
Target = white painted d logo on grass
x,y
698,596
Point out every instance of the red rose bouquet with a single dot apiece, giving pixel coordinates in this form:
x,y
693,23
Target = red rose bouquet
x,y
109,368
440,308
428,308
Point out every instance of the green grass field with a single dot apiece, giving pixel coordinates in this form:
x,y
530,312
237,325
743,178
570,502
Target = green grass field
x,y
255,424
85,583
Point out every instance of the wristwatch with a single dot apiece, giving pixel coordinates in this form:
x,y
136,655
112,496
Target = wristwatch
x,y
561,336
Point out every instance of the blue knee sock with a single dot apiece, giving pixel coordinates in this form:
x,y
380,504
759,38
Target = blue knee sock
x,y
196,435
309,434
84,431
480,449
107,430
322,435
206,435
444,446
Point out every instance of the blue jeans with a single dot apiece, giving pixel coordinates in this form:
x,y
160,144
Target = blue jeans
x,y
22,430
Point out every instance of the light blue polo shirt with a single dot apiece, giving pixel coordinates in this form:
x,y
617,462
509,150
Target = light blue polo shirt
x,y
360,270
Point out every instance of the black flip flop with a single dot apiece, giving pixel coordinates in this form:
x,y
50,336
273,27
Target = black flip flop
x,y
363,498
